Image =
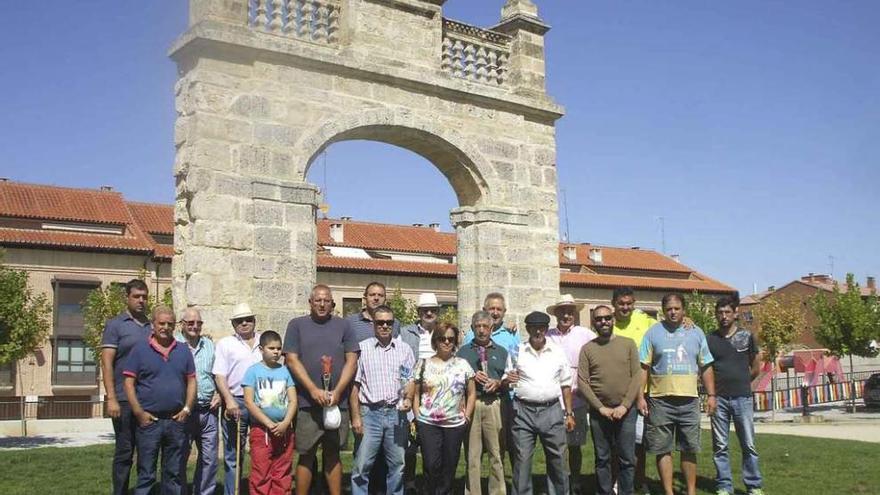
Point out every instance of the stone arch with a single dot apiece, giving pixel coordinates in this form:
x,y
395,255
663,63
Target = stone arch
x,y
265,86
457,159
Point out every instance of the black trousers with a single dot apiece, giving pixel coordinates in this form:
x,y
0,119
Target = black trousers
x,y
441,448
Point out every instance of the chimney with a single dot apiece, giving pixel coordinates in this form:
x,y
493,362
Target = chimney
x,y
336,232
810,277
771,288
345,219
435,226
570,253
872,283
4,179
675,257
596,255
418,225
106,188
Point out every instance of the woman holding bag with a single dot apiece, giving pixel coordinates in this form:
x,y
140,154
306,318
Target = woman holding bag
x,y
444,403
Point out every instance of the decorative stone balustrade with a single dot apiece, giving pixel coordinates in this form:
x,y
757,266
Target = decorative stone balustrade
x,y
475,54
308,20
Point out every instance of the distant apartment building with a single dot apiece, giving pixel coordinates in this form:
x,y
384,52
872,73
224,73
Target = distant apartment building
x,y
71,241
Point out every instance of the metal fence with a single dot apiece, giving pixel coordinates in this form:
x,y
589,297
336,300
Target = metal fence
x,y
51,407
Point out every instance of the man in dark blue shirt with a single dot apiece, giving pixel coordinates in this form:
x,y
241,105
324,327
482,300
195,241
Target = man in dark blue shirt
x,y
160,384
120,336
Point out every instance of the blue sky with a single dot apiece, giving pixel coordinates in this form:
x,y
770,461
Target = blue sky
x,y
751,127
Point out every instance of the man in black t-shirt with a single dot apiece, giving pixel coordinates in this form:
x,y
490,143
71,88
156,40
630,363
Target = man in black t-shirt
x,y
737,361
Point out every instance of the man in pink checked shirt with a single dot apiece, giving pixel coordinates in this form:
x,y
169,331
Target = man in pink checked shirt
x,y
571,338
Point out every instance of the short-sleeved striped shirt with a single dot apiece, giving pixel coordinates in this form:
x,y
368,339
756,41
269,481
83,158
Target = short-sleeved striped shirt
x,y
203,355
674,357
382,371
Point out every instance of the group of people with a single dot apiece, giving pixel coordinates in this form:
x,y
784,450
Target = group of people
x,y
630,382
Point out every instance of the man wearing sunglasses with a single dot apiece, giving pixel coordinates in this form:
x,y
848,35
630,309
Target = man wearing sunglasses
x,y
380,399
418,337
201,425
233,355
609,379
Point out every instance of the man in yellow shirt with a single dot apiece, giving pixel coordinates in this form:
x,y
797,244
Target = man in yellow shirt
x,y
633,324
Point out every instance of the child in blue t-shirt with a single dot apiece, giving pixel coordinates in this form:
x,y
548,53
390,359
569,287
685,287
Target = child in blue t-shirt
x,y
270,397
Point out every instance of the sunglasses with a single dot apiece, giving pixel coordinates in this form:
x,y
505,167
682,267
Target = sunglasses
x,y
242,321
383,323
446,340
604,318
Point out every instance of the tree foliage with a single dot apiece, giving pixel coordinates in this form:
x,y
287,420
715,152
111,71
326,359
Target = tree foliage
x,y
404,309
701,309
848,323
779,321
104,303
25,318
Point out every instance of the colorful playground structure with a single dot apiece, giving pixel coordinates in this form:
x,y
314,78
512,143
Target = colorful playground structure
x,y
821,375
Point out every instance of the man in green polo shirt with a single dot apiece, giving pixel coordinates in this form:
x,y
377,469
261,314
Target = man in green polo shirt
x,y
489,361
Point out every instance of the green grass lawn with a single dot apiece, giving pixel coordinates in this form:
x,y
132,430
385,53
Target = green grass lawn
x,y
791,466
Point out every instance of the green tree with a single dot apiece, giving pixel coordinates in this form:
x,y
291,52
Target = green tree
x,y
779,321
25,318
701,309
847,323
449,314
404,309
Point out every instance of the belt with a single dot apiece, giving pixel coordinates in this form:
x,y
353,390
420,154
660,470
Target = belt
x,y
380,405
538,403
488,399
165,415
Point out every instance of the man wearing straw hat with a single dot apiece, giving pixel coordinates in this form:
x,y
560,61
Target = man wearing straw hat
x,y
233,355
571,338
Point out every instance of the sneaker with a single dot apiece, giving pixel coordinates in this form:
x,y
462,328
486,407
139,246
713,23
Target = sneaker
x,y
756,491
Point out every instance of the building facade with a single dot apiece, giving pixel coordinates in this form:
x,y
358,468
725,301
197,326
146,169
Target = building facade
x,y
71,241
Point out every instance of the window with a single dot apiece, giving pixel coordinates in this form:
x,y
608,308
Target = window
x,y
351,305
74,362
7,374
747,316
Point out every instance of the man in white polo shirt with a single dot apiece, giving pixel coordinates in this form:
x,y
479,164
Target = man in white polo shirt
x,y
542,374
233,355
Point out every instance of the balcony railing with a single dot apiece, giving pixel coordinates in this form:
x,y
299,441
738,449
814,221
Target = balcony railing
x,y
475,54
308,20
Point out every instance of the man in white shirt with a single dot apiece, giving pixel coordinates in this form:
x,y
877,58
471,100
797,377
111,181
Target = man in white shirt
x,y
542,373
233,355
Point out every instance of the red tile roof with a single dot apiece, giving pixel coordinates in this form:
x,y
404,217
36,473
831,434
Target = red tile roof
x,y
628,258
684,285
153,218
141,219
21,200
372,265
386,237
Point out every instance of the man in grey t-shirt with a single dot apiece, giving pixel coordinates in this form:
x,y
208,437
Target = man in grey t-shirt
x,y
321,353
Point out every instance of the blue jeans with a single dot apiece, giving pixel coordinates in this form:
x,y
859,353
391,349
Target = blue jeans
x,y
610,436
740,410
125,430
201,428
165,436
229,440
386,431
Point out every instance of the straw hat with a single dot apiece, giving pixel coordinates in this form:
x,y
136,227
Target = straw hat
x,y
428,300
565,300
241,310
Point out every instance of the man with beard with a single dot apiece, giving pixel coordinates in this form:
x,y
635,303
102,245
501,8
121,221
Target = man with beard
x,y
609,377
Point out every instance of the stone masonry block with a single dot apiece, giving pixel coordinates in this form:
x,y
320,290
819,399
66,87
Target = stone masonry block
x,y
268,213
271,240
199,289
278,136
206,206
275,294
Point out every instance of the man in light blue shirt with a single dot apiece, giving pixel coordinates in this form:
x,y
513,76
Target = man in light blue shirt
x,y
201,425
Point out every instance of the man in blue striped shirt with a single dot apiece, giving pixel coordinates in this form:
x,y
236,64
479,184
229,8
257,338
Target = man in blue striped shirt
x,y
201,426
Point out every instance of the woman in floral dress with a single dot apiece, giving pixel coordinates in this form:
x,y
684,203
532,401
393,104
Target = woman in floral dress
x,y
444,405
